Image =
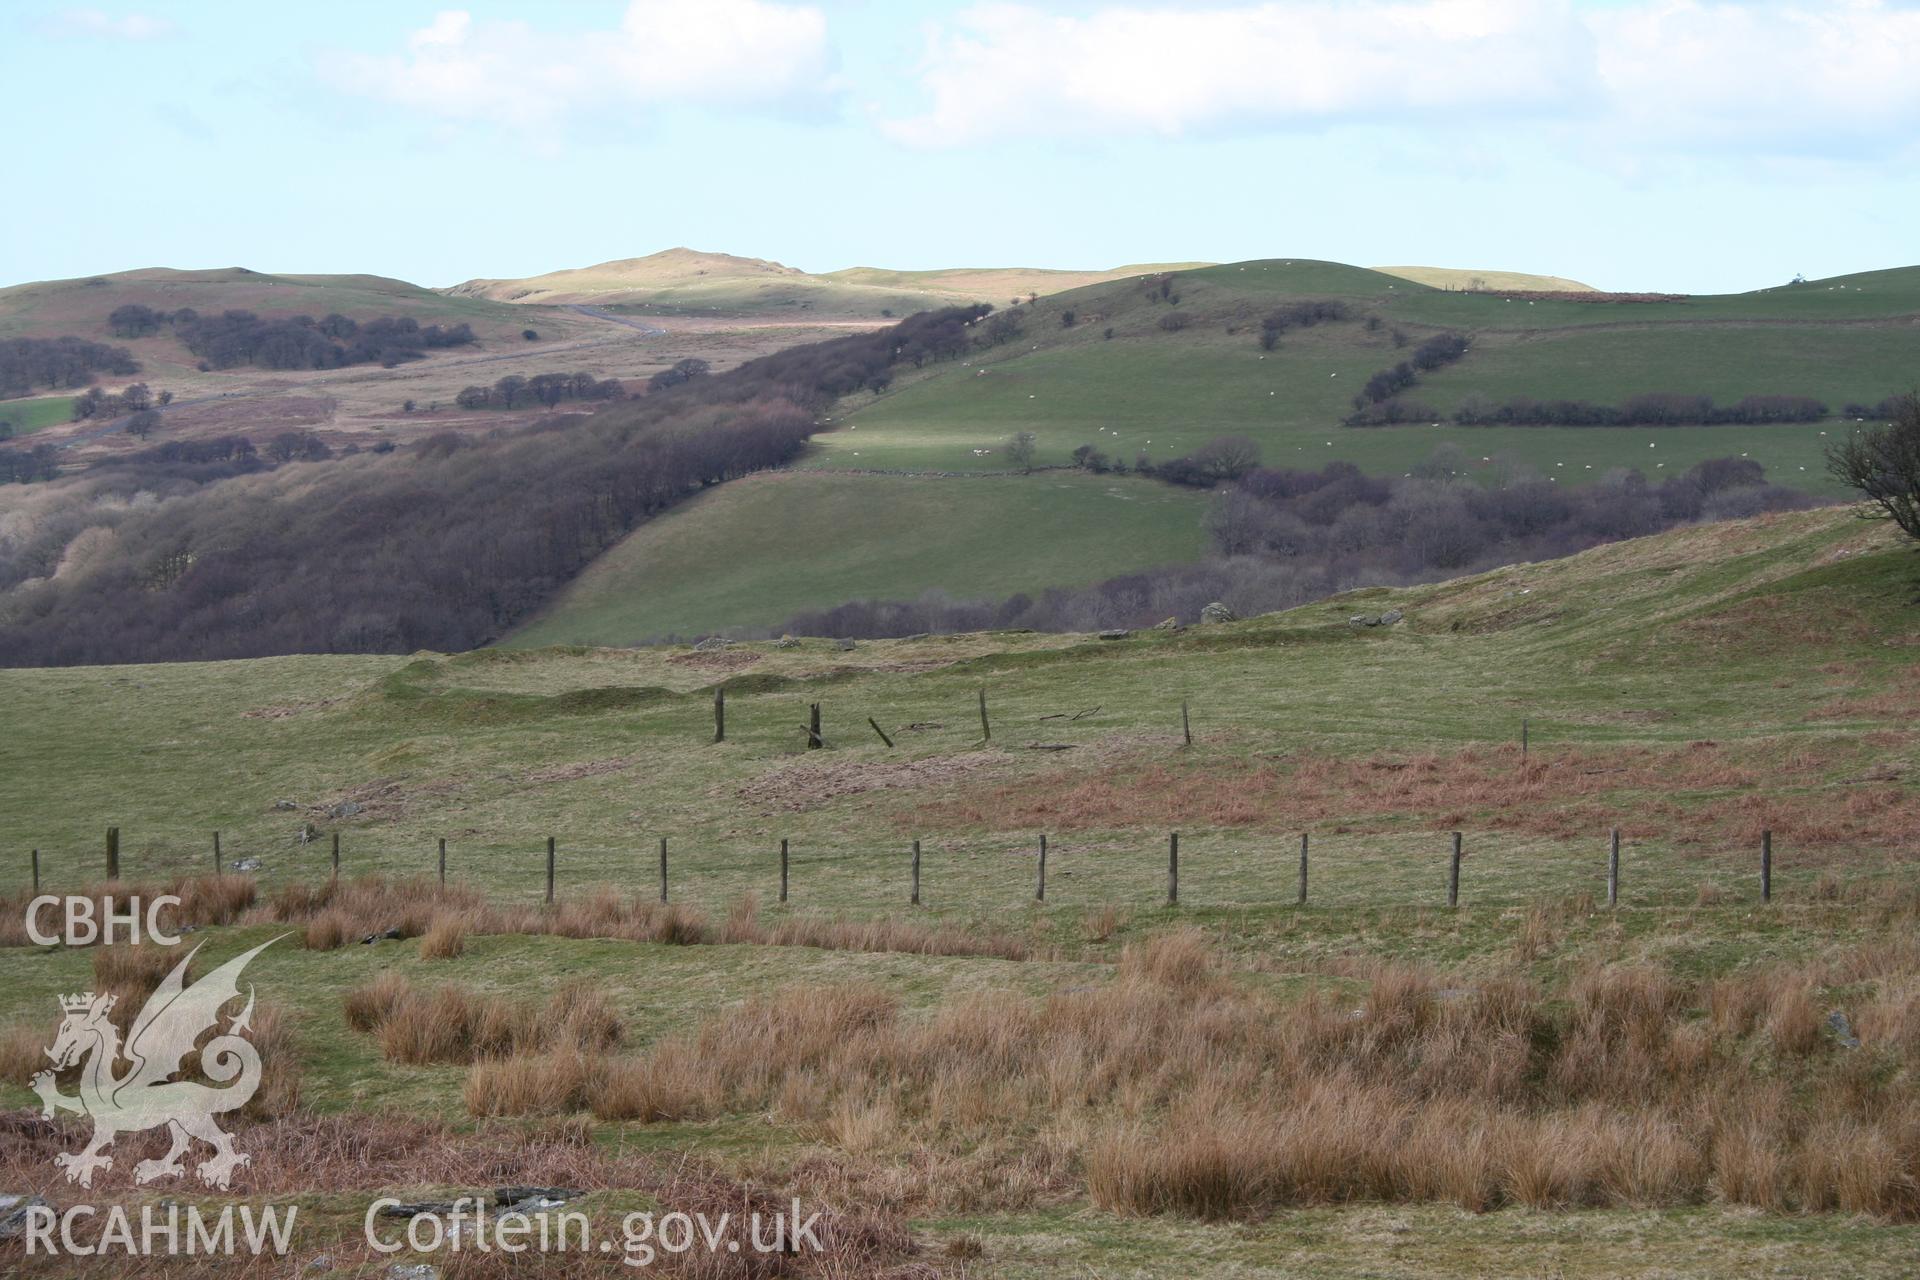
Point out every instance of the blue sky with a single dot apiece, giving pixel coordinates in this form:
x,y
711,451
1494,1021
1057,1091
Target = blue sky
x,y
1637,144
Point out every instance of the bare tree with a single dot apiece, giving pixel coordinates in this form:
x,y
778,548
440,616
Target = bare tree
x,y
1883,463
1019,451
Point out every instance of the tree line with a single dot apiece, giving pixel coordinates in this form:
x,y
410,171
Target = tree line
x,y
298,342
1648,409
442,545
1282,538
547,389
58,363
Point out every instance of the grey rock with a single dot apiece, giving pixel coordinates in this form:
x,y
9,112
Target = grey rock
x,y
413,1271
321,1263
307,834
786,642
346,809
1117,633
245,864
426,1208
845,645
1217,612
521,1195
1390,617
1168,624
285,806
13,1213
1364,620
713,644
1842,1029
390,935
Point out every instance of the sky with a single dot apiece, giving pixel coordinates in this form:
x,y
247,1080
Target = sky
x,y
1682,145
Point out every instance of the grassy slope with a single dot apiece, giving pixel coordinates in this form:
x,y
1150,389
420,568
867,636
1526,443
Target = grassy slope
x,y
1742,634
753,553
1851,339
30,415
690,281
1469,278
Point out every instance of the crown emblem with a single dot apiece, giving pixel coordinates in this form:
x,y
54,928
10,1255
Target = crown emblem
x,y
84,1001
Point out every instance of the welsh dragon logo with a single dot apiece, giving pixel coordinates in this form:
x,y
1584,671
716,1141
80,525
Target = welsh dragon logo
x,y
145,1096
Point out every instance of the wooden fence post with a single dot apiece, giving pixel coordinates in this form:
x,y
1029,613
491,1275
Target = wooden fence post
x,y
1766,866
783,871
336,855
813,727
1040,889
882,732
36,873
549,870
663,868
1524,727
1453,874
216,853
443,861
1186,725
113,853
1613,871
719,713
1303,869
1173,869
986,730
915,900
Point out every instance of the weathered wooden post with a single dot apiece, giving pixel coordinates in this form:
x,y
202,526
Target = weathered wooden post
x,y
1173,869
915,900
814,739
1186,725
1613,871
663,869
882,732
36,873
1040,889
1453,874
113,853
719,713
1524,727
986,730
549,870
216,853
1303,869
336,855
783,871
1766,866
443,862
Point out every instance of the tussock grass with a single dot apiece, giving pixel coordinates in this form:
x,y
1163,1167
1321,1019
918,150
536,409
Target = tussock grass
x,y
204,900
453,1024
1177,1088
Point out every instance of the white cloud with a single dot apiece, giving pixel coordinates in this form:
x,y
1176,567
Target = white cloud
x,y
715,52
1788,74
98,25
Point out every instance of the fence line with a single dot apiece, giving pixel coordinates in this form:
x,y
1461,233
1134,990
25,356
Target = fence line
x,y
114,865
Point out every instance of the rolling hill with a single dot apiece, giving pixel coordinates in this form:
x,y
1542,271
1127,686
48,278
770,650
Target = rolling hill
x,y
1136,372
1470,278
690,281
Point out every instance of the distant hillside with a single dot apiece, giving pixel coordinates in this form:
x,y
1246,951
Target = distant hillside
x,y
81,306
1160,366
1470,278
692,281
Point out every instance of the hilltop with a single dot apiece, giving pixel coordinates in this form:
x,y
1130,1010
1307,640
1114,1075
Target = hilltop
x,y
1470,278
690,281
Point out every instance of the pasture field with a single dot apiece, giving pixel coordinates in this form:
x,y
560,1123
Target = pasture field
x,y
34,413
1691,689
755,552
1116,379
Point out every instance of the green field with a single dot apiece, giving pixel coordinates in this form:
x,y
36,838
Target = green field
x,y
29,416
1145,389
1688,688
755,552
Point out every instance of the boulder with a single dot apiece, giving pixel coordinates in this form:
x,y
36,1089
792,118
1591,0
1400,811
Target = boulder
x,y
1167,624
845,645
786,642
1116,633
1842,1029
713,644
1390,617
1217,612
1364,620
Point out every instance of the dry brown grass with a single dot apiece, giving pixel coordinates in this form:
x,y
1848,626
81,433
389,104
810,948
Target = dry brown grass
x,y
445,938
453,1024
1569,793
23,1051
1178,1088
